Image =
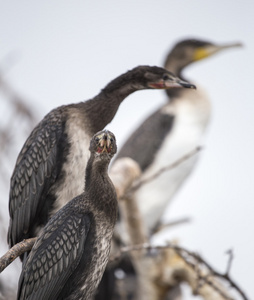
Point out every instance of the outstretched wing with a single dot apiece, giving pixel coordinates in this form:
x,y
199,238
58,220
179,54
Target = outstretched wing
x,y
34,172
55,256
144,143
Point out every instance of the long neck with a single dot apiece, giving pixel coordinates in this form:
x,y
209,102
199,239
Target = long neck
x,y
175,66
99,186
102,109
95,171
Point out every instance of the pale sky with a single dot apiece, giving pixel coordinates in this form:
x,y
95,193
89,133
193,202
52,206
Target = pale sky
x,y
66,51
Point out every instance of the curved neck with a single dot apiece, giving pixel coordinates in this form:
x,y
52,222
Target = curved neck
x,y
175,66
99,187
96,170
102,108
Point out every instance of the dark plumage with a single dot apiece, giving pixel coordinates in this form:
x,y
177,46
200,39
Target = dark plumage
x,y
72,250
50,167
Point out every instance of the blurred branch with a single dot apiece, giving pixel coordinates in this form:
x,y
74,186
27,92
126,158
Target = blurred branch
x,y
17,120
16,100
137,185
162,226
204,279
123,173
161,268
15,252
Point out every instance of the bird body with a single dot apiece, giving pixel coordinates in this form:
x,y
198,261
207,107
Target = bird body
x,y
50,167
71,252
77,157
174,130
170,133
185,122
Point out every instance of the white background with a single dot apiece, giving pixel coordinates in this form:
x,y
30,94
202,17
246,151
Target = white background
x,y
67,51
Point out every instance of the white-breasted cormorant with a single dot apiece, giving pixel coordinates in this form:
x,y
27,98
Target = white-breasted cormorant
x,y
171,132
50,167
72,250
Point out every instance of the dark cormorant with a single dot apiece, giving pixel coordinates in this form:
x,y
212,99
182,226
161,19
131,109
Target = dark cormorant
x,y
50,167
171,132
72,250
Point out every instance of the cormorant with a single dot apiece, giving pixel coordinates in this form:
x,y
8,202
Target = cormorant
x,y
50,167
72,250
171,132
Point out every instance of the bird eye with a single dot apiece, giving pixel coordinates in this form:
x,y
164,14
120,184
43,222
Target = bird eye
x,y
165,77
97,139
111,139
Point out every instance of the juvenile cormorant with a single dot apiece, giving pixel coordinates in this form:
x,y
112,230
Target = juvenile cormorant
x,y
50,167
171,132
72,250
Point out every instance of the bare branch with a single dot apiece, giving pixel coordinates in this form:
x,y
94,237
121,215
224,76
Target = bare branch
x,y
230,259
162,226
195,262
15,252
123,172
164,169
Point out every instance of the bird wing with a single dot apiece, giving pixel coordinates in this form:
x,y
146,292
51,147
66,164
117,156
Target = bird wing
x,y
144,143
34,172
55,255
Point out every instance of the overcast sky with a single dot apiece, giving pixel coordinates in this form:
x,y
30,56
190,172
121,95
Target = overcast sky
x,y
66,51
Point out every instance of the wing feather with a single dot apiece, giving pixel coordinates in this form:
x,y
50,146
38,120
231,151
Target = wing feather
x,y
54,256
146,141
33,174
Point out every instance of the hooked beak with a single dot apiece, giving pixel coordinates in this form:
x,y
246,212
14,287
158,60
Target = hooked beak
x,y
207,51
227,46
179,84
168,84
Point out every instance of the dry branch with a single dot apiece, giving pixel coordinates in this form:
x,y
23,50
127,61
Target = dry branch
x,y
138,184
168,266
180,264
15,252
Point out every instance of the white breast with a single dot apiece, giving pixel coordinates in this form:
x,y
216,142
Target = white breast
x,y
75,165
192,113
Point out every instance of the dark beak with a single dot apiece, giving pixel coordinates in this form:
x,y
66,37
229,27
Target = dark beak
x,y
186,84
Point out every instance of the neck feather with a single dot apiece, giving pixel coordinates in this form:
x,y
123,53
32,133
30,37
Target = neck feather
x,y
99,187
96,172
175,66
102,109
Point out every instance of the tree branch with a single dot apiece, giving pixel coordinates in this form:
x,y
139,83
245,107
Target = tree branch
x,y
15,252
164,169
205,278
162,226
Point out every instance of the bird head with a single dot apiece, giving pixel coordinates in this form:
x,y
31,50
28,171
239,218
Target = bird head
x,y
192,50
159,78
103,143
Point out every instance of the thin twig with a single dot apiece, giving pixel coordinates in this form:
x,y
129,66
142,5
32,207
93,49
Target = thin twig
x,y
161,226
230,259
164,169
186,255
